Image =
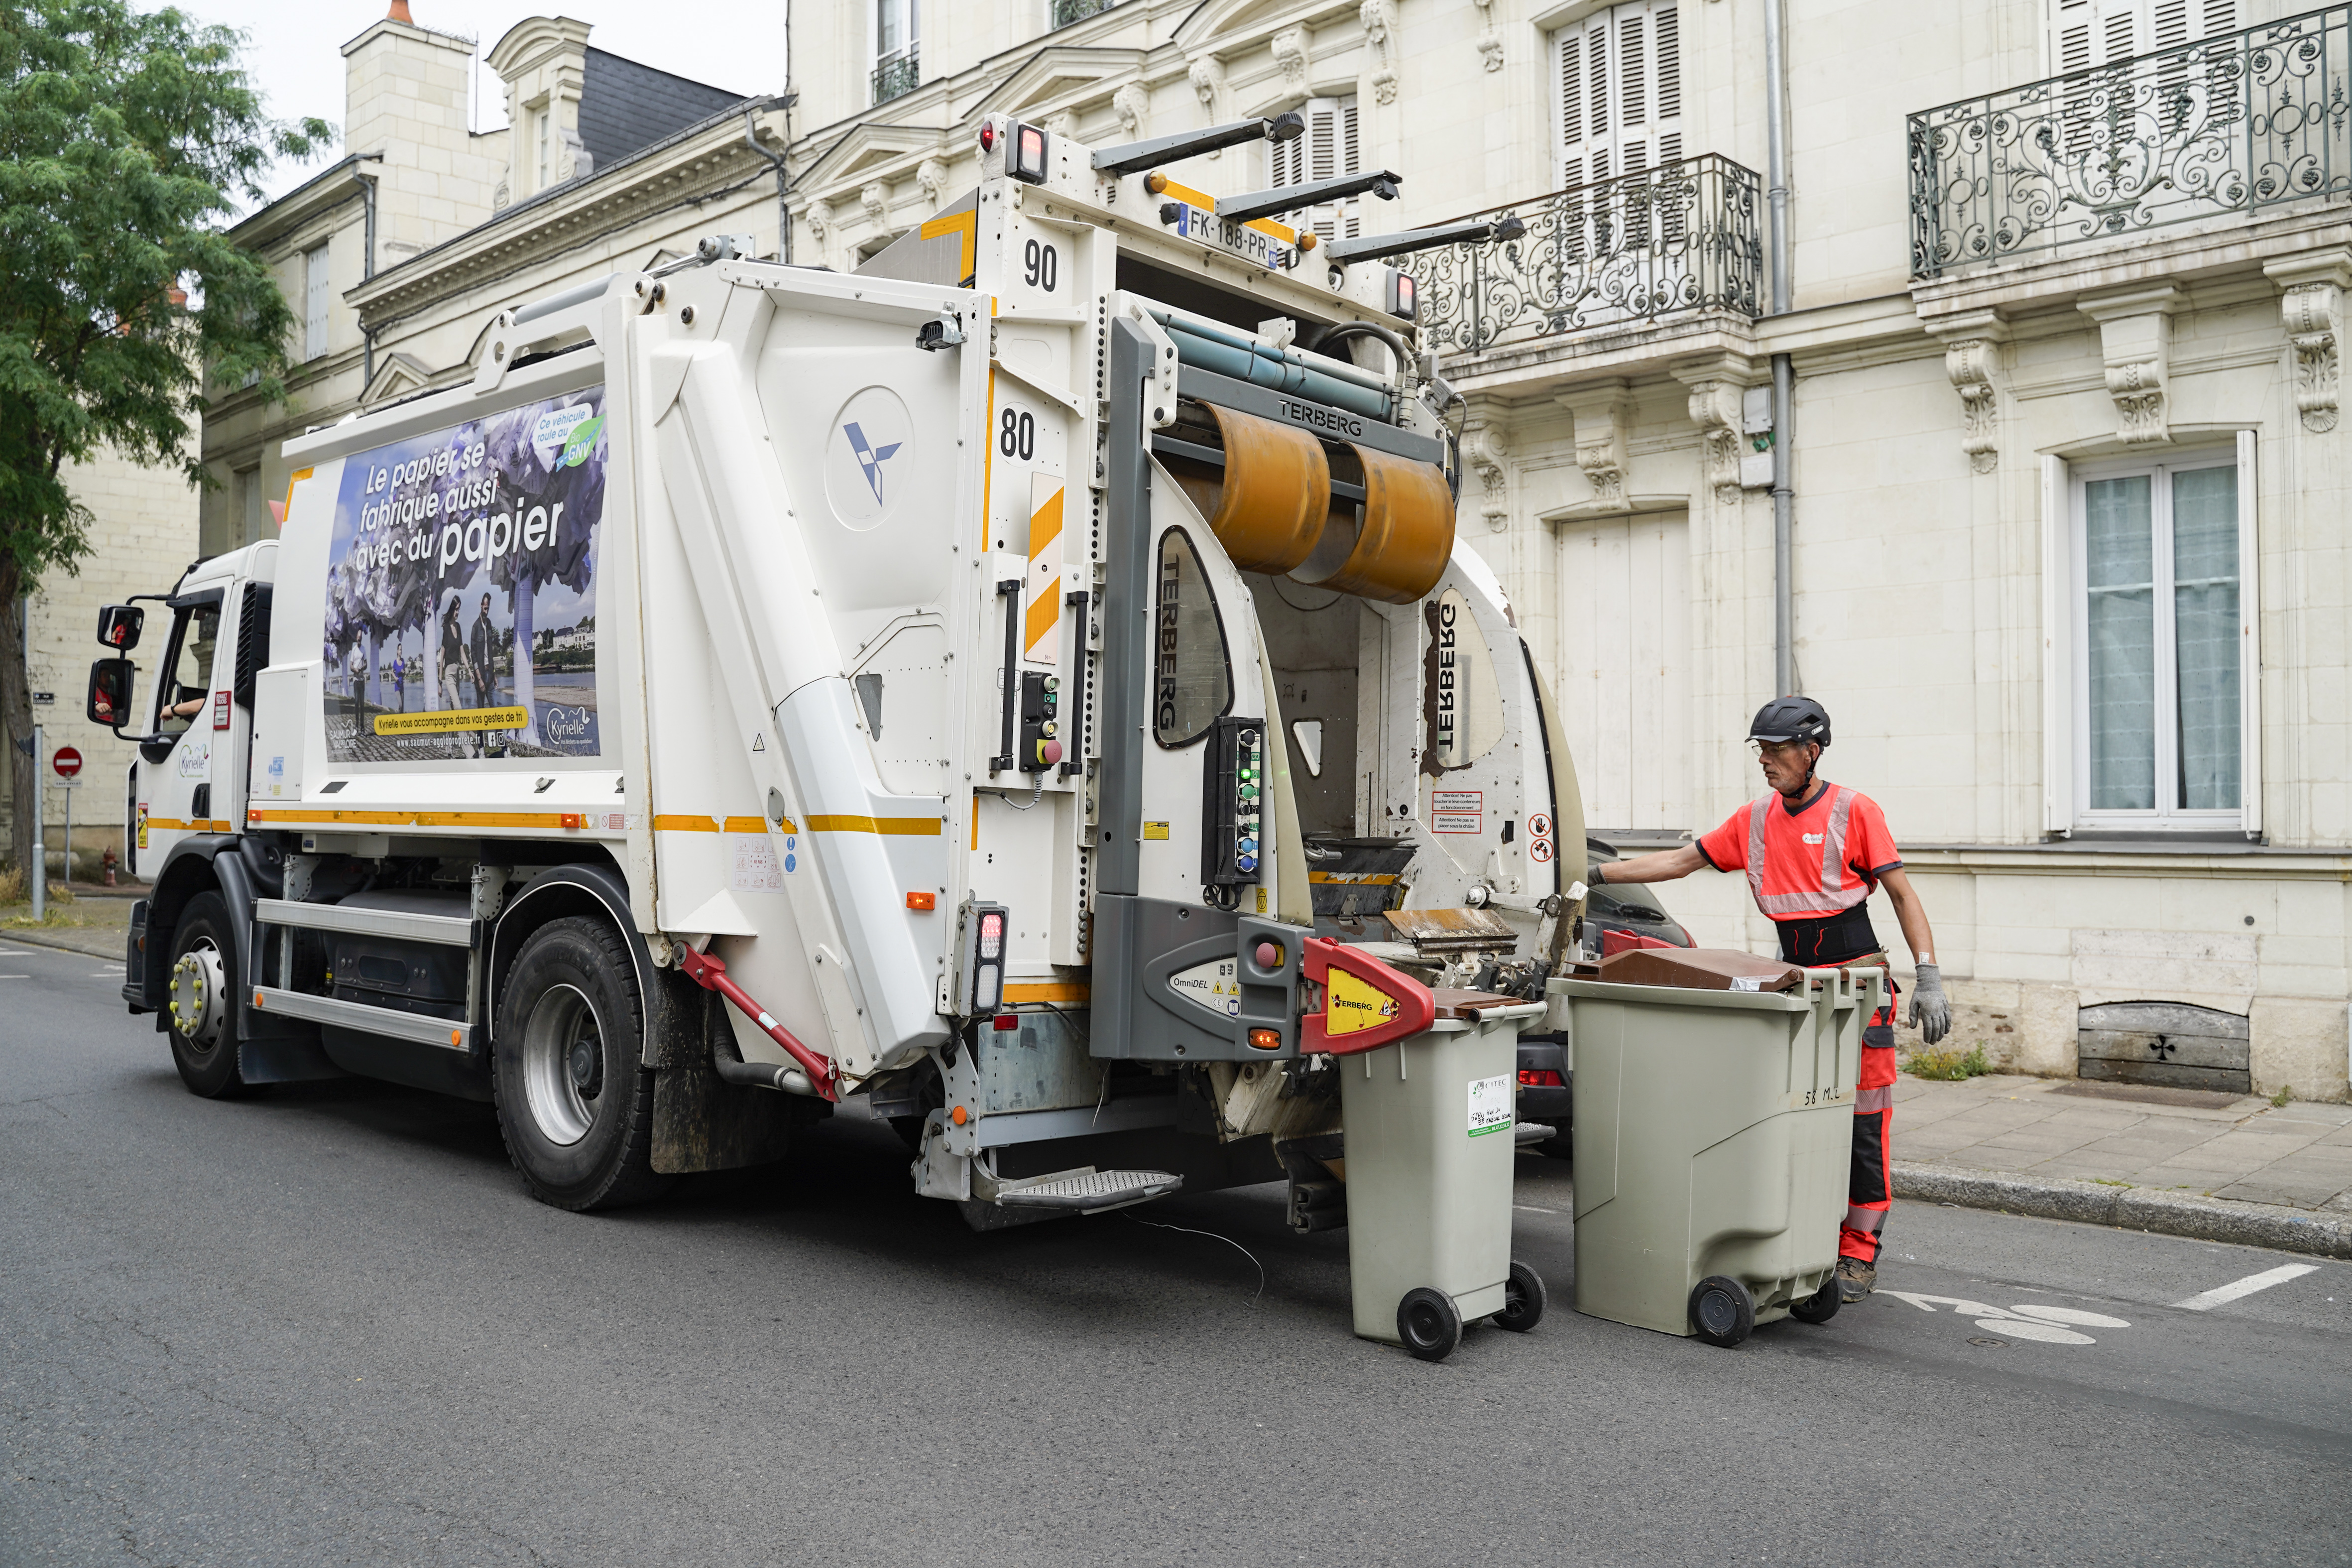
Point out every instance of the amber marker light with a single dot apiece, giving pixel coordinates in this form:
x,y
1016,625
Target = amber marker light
x,y
922,901
1265,1040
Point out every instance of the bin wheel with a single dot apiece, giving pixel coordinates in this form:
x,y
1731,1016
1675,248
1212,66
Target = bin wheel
x,y
1523,1300
1722,1312
1429,1324
1820,1306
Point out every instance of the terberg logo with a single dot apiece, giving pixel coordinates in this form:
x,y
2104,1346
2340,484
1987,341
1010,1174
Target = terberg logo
x,y
870,457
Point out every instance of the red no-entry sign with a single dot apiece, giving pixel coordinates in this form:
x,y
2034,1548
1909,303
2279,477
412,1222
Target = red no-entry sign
x,y
68,762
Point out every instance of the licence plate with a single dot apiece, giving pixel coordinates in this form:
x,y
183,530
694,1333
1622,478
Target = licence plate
x,y
1249,244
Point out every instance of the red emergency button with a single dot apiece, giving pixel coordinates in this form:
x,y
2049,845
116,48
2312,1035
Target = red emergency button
x,y
1049,752
1269,956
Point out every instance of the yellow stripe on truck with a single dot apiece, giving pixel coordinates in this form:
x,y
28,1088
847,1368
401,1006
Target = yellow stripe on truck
x,y
910,827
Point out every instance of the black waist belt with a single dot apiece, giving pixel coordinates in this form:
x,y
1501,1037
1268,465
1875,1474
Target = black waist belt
x,y
1832,938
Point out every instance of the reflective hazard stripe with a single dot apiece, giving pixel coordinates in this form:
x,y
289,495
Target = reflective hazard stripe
x,y
1872,1101
1833,896
1870,1222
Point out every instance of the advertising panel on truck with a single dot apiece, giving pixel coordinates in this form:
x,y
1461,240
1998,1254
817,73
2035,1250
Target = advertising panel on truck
x,y
461,590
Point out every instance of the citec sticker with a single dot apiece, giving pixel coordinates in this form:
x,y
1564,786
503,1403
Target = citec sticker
x,y
1490,1104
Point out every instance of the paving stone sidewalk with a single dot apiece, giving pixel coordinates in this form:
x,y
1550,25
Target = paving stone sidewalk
x,y
2181,1141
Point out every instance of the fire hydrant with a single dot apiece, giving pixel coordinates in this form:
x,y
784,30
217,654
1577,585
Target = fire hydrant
x,y
108,862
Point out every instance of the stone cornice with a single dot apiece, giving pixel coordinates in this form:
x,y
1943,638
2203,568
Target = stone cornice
x,y
603,205
322,192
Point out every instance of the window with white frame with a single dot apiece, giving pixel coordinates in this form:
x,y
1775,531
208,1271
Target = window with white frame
x,y
897,41
318,296
543,128
2160,580
1330,148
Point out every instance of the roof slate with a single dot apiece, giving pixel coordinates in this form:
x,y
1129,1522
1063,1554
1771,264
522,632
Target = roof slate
x,y
625,106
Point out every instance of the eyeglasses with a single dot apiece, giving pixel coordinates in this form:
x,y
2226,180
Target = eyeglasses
x,y
1790,750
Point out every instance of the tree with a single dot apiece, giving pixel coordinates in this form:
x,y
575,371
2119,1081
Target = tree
x,y
124,141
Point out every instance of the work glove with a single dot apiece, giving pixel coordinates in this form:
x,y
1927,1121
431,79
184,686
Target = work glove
x,y
1930,1013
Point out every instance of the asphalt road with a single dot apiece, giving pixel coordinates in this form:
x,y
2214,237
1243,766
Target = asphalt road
x,y
328,1326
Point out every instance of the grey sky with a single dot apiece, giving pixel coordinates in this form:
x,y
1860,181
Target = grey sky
x,y
295,48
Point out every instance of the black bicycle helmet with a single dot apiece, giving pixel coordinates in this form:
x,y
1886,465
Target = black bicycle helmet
x,y
1791,719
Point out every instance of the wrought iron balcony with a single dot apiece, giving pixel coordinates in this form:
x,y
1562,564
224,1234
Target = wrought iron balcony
x,y
1685,236
2236,124
897,76
1068,11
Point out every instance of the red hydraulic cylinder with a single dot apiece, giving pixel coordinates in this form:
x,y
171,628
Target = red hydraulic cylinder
x,y
711,974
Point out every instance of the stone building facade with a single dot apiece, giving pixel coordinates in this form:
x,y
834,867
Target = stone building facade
x,y
2065,286
143,532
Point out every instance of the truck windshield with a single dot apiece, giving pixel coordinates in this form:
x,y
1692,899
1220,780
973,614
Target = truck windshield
x,y
184,685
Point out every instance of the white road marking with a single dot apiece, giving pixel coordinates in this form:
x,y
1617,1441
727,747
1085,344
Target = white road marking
x,y
1533,1208
2029,1321
2222,1295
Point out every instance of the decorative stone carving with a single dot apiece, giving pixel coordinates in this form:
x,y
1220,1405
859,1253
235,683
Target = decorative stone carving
x,y
1483,448
2135,342
1604,418
1061,123
1715,409
501,198
1972,342
876,199
1290,55
1208,78
1378,19
820,221
1128,103
932,176
2311,309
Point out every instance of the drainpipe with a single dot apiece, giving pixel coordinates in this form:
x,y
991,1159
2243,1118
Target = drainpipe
x,y
782,168
1784,373
367,268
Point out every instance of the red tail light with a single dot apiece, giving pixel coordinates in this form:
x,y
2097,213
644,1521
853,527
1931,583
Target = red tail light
x,y
1541,1078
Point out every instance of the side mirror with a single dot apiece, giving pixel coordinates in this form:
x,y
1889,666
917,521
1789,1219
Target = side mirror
x,y
119,626
157,749
110,681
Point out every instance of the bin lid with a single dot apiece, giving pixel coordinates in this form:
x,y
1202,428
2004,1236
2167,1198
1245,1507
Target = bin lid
x,y
1703,968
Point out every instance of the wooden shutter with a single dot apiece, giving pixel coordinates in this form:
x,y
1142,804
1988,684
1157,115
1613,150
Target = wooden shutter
x,y
2088,33
1620,92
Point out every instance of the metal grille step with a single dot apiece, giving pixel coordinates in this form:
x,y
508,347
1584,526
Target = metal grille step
x,y
1087,1192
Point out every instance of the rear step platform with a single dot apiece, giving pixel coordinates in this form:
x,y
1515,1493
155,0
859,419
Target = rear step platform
x,y
1088,1191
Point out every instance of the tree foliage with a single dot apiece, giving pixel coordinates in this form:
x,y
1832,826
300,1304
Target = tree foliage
x,y
125,141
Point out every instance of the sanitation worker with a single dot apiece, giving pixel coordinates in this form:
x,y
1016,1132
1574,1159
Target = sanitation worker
x,y
1813,851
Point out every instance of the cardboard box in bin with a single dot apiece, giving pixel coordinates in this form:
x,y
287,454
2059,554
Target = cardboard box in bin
x,y
1700,968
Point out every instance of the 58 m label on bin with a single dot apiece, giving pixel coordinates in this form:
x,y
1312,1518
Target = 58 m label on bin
x,y
1490,1104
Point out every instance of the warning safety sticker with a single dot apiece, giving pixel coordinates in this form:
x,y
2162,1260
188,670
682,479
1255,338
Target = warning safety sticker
x,y
1490,1104
1457,811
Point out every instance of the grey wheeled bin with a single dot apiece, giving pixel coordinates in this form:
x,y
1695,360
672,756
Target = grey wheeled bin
x,y
1714,1142
1429,1130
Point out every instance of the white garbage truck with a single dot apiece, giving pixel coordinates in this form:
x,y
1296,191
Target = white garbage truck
x,y
1031,686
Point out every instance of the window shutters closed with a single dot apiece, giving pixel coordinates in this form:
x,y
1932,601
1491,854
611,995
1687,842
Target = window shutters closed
x,y
1330,148
317,295
2088,33
1620,92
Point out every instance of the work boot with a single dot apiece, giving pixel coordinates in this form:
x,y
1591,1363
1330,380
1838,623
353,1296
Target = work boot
x,y
1855,1279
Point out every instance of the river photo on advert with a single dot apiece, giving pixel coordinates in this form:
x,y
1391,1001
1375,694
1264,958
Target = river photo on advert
x,y
461,604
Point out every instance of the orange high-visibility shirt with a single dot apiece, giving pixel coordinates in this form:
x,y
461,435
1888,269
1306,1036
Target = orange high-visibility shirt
x,y
1803,865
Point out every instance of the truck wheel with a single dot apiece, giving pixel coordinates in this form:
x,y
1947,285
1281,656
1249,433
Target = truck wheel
x,y
1721,1310
576,1099
198,1002
1523,1300
1429,1324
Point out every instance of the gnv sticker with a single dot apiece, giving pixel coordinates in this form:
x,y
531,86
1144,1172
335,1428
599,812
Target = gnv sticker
x,y
1490,1104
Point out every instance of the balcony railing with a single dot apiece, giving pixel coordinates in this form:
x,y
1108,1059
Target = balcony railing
x,y
1685,236
897,76
2236,124
1065,12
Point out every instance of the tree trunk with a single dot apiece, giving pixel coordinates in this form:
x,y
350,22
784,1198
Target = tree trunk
x,y
16,721
525,685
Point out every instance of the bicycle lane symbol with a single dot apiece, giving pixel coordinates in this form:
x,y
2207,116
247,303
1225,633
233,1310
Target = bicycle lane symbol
x,y
2030,1320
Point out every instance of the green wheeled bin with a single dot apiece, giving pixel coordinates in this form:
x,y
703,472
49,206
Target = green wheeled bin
x,y
1714,1146
1429,1158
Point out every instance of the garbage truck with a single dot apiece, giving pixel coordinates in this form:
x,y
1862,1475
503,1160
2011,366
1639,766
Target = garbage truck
x,y
1031,684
